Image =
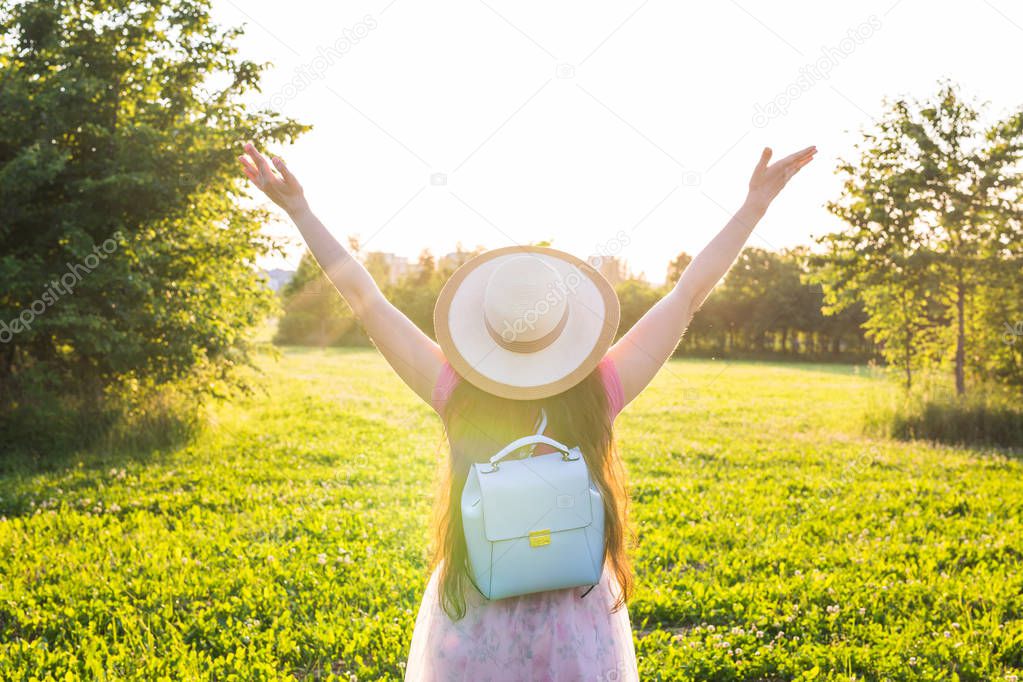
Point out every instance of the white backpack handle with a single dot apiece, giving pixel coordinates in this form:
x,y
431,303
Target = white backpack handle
x,y
528,440
533,440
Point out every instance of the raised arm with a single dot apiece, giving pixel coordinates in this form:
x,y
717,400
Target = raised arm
x,y
647,346
414,356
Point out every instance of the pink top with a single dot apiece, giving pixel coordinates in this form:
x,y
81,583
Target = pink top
x,y
448,378
557,635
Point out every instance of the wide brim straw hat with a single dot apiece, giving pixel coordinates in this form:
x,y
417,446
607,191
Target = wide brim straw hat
x,y
526,322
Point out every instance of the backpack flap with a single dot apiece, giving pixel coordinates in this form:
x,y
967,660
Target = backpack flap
x,y
542,494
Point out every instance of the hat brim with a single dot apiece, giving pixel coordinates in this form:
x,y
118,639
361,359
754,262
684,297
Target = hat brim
x,y
461,330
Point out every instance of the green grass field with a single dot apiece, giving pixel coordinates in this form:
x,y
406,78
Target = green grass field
x,y
289,538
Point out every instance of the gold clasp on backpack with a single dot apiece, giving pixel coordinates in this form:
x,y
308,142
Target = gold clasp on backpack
x,y
539,538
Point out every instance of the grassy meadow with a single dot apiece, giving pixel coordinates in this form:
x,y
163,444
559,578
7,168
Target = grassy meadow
x,y
288,539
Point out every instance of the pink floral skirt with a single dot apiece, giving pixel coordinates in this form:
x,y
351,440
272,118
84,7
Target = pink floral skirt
x,y
544,636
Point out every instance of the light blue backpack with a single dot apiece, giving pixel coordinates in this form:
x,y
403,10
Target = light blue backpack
x,y
533,524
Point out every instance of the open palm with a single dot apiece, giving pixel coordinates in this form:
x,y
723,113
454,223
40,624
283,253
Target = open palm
x,y
281,186
768,180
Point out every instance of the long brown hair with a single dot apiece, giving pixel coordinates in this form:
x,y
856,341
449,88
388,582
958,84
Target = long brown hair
x,y
478,424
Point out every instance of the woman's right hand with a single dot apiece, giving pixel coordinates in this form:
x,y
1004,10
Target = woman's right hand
x,y
282,187
769,180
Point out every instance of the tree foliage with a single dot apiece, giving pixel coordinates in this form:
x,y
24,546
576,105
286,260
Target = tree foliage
x,y
931,246
117,149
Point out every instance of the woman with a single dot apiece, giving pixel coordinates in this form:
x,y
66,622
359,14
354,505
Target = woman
x,y
524,332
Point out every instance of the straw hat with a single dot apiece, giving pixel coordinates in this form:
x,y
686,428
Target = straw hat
x,y
525,322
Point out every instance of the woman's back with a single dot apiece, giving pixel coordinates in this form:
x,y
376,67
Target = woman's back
x,y
559,635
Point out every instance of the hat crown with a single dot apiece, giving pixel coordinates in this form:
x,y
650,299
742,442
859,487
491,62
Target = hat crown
x,y
525,299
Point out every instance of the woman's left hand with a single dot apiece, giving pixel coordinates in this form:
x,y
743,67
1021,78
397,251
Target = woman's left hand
x,y
768,180
282,187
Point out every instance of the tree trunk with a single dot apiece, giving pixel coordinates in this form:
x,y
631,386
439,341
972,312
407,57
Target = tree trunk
x,y
960,335
909,357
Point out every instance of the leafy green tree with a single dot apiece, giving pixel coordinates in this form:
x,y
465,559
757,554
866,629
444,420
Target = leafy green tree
x,y
425,271
377,267
314,313
117,149
676,267
932,208
970,176
635,296
766,305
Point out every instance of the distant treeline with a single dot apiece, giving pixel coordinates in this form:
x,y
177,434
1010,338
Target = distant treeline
x,y
763,308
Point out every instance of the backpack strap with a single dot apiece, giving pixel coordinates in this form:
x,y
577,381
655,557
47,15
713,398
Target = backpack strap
x,y
541,424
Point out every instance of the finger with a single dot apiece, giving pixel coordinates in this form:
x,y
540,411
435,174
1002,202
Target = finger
x,y
282,168
249,167
805,161
795,168
765,156
261,163
797,156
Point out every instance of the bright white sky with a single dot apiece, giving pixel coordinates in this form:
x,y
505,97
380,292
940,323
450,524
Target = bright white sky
x,y
581,122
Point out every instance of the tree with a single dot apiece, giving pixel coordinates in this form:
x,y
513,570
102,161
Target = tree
x,y
635,296
676,267
969,177
127,258
932,210
314,312
425,270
